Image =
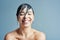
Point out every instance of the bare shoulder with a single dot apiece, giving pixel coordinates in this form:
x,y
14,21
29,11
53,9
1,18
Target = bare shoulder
x,y
39,35
10,35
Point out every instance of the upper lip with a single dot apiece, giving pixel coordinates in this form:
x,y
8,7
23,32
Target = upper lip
x,y
24,20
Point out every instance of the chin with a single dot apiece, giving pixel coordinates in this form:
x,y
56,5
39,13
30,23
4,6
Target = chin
x,y
26,26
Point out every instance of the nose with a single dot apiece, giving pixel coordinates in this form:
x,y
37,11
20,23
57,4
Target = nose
x,y
26,15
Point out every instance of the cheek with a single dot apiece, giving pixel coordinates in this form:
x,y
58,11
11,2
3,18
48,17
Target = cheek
x,y
20,19
32,18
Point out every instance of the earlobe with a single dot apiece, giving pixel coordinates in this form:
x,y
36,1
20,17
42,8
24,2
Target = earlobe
x,y
33,18
17,19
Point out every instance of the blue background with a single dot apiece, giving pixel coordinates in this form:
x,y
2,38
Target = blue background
x,y
47,17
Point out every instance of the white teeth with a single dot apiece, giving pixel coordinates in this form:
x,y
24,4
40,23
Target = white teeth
x,y
25,21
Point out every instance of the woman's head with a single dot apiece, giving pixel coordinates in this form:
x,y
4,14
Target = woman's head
x,y
25,14
22,6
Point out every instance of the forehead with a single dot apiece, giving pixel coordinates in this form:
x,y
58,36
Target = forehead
x,y
26,10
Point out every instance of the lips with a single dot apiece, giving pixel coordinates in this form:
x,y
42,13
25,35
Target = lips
x,y
25,21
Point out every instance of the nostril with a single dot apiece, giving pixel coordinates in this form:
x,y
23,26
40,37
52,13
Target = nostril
x,y
24,17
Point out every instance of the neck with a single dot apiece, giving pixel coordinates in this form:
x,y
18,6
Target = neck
x,y
25,30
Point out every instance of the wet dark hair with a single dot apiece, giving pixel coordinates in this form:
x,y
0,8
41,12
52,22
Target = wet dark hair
x,y
22,6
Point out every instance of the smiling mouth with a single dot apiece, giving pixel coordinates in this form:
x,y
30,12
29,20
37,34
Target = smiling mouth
x,y
25,21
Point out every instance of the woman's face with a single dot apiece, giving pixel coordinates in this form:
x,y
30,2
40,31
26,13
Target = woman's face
x,y
26,17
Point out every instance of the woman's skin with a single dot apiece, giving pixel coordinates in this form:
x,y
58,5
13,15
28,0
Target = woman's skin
x,y
25,32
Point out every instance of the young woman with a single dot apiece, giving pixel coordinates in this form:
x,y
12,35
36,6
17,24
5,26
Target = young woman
x,y
25,17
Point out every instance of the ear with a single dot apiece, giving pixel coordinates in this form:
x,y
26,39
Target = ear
x,y
33,17
17,18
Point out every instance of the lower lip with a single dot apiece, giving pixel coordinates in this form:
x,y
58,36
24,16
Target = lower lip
x,y
25,22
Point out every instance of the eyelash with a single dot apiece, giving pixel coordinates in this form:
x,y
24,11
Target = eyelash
x,y
29,14
21,14
24,14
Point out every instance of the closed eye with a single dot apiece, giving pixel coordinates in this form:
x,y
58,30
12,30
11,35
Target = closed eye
x,y
21,13
29,14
